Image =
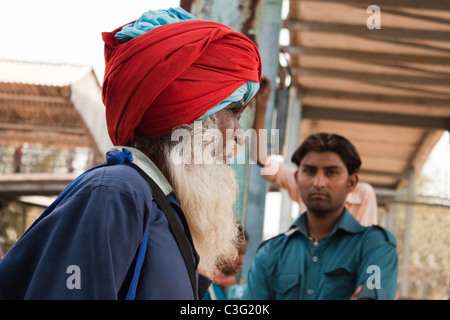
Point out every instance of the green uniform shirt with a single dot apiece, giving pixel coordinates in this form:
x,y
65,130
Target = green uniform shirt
x,y
291,266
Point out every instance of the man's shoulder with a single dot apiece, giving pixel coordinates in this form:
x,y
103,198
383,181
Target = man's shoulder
x,y
376,233
117,171
121,177
278,241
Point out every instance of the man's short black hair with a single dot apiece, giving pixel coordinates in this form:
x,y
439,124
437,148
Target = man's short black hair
x,y
322,142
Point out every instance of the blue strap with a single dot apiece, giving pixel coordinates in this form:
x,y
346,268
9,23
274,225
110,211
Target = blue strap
x,y
175,227
137,269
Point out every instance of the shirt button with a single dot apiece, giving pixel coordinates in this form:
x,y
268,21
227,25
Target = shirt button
x,y
315,259
310,292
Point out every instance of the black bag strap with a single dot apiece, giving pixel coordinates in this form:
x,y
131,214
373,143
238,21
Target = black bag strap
x,y
178,233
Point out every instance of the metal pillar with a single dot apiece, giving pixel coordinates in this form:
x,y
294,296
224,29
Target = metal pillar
x,y
267,37
407,236
292,141
391,219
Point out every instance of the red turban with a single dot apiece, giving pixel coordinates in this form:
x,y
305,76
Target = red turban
x,y
172,75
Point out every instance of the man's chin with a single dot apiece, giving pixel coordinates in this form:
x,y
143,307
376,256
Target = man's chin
x,y
319,208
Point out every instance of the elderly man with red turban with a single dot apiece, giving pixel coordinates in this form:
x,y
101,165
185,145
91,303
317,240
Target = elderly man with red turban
x,y
142,224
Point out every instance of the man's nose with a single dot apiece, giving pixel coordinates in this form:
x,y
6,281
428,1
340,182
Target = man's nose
x,y
239,135
319,180
241,260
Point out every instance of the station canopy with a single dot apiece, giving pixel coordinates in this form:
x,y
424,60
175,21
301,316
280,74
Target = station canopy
x,y
387,90
51,105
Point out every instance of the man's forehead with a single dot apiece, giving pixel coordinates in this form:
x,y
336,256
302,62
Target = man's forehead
x,y
322,159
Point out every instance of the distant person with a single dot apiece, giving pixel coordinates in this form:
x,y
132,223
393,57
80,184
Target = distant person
x,y
69,161
18,159
327,254
361,201
2,251
224,286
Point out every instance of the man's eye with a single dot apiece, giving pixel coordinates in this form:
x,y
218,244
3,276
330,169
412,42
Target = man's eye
x,y
237,108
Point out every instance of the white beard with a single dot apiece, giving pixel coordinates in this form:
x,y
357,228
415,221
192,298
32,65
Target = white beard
x,y
207,193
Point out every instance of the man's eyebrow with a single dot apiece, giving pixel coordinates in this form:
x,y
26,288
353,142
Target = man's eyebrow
x,y
310,166
237,104
333,167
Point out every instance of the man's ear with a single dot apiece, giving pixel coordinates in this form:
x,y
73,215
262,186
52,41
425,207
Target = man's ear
x,y
353,180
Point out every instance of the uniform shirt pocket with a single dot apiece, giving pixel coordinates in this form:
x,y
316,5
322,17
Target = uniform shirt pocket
x,y
287,287
339,284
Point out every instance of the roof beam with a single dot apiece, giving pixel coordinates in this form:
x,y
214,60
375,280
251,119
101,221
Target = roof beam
x,y
34,183
413,4
34,98
373,117
384,186
381,98
41,128
361,30
378,56
14,137
369,77
398,175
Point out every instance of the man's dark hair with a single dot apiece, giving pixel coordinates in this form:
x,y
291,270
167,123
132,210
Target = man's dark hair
x,y
242,234
322,142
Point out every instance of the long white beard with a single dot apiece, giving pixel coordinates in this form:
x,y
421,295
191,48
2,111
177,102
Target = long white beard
x,y
207,193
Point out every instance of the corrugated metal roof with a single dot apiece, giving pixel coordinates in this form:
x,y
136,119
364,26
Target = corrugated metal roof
x,y
41,73
36,104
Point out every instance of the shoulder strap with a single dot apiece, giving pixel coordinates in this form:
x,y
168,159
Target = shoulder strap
x,y
137,269
177,231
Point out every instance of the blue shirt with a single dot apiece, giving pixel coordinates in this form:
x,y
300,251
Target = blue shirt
x,y
289,266
98,228
216,292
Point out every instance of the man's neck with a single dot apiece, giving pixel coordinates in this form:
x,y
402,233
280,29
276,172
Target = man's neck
x,y
320,225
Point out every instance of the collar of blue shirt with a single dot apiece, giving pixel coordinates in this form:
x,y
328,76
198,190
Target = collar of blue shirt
x,y
143,162
346,222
